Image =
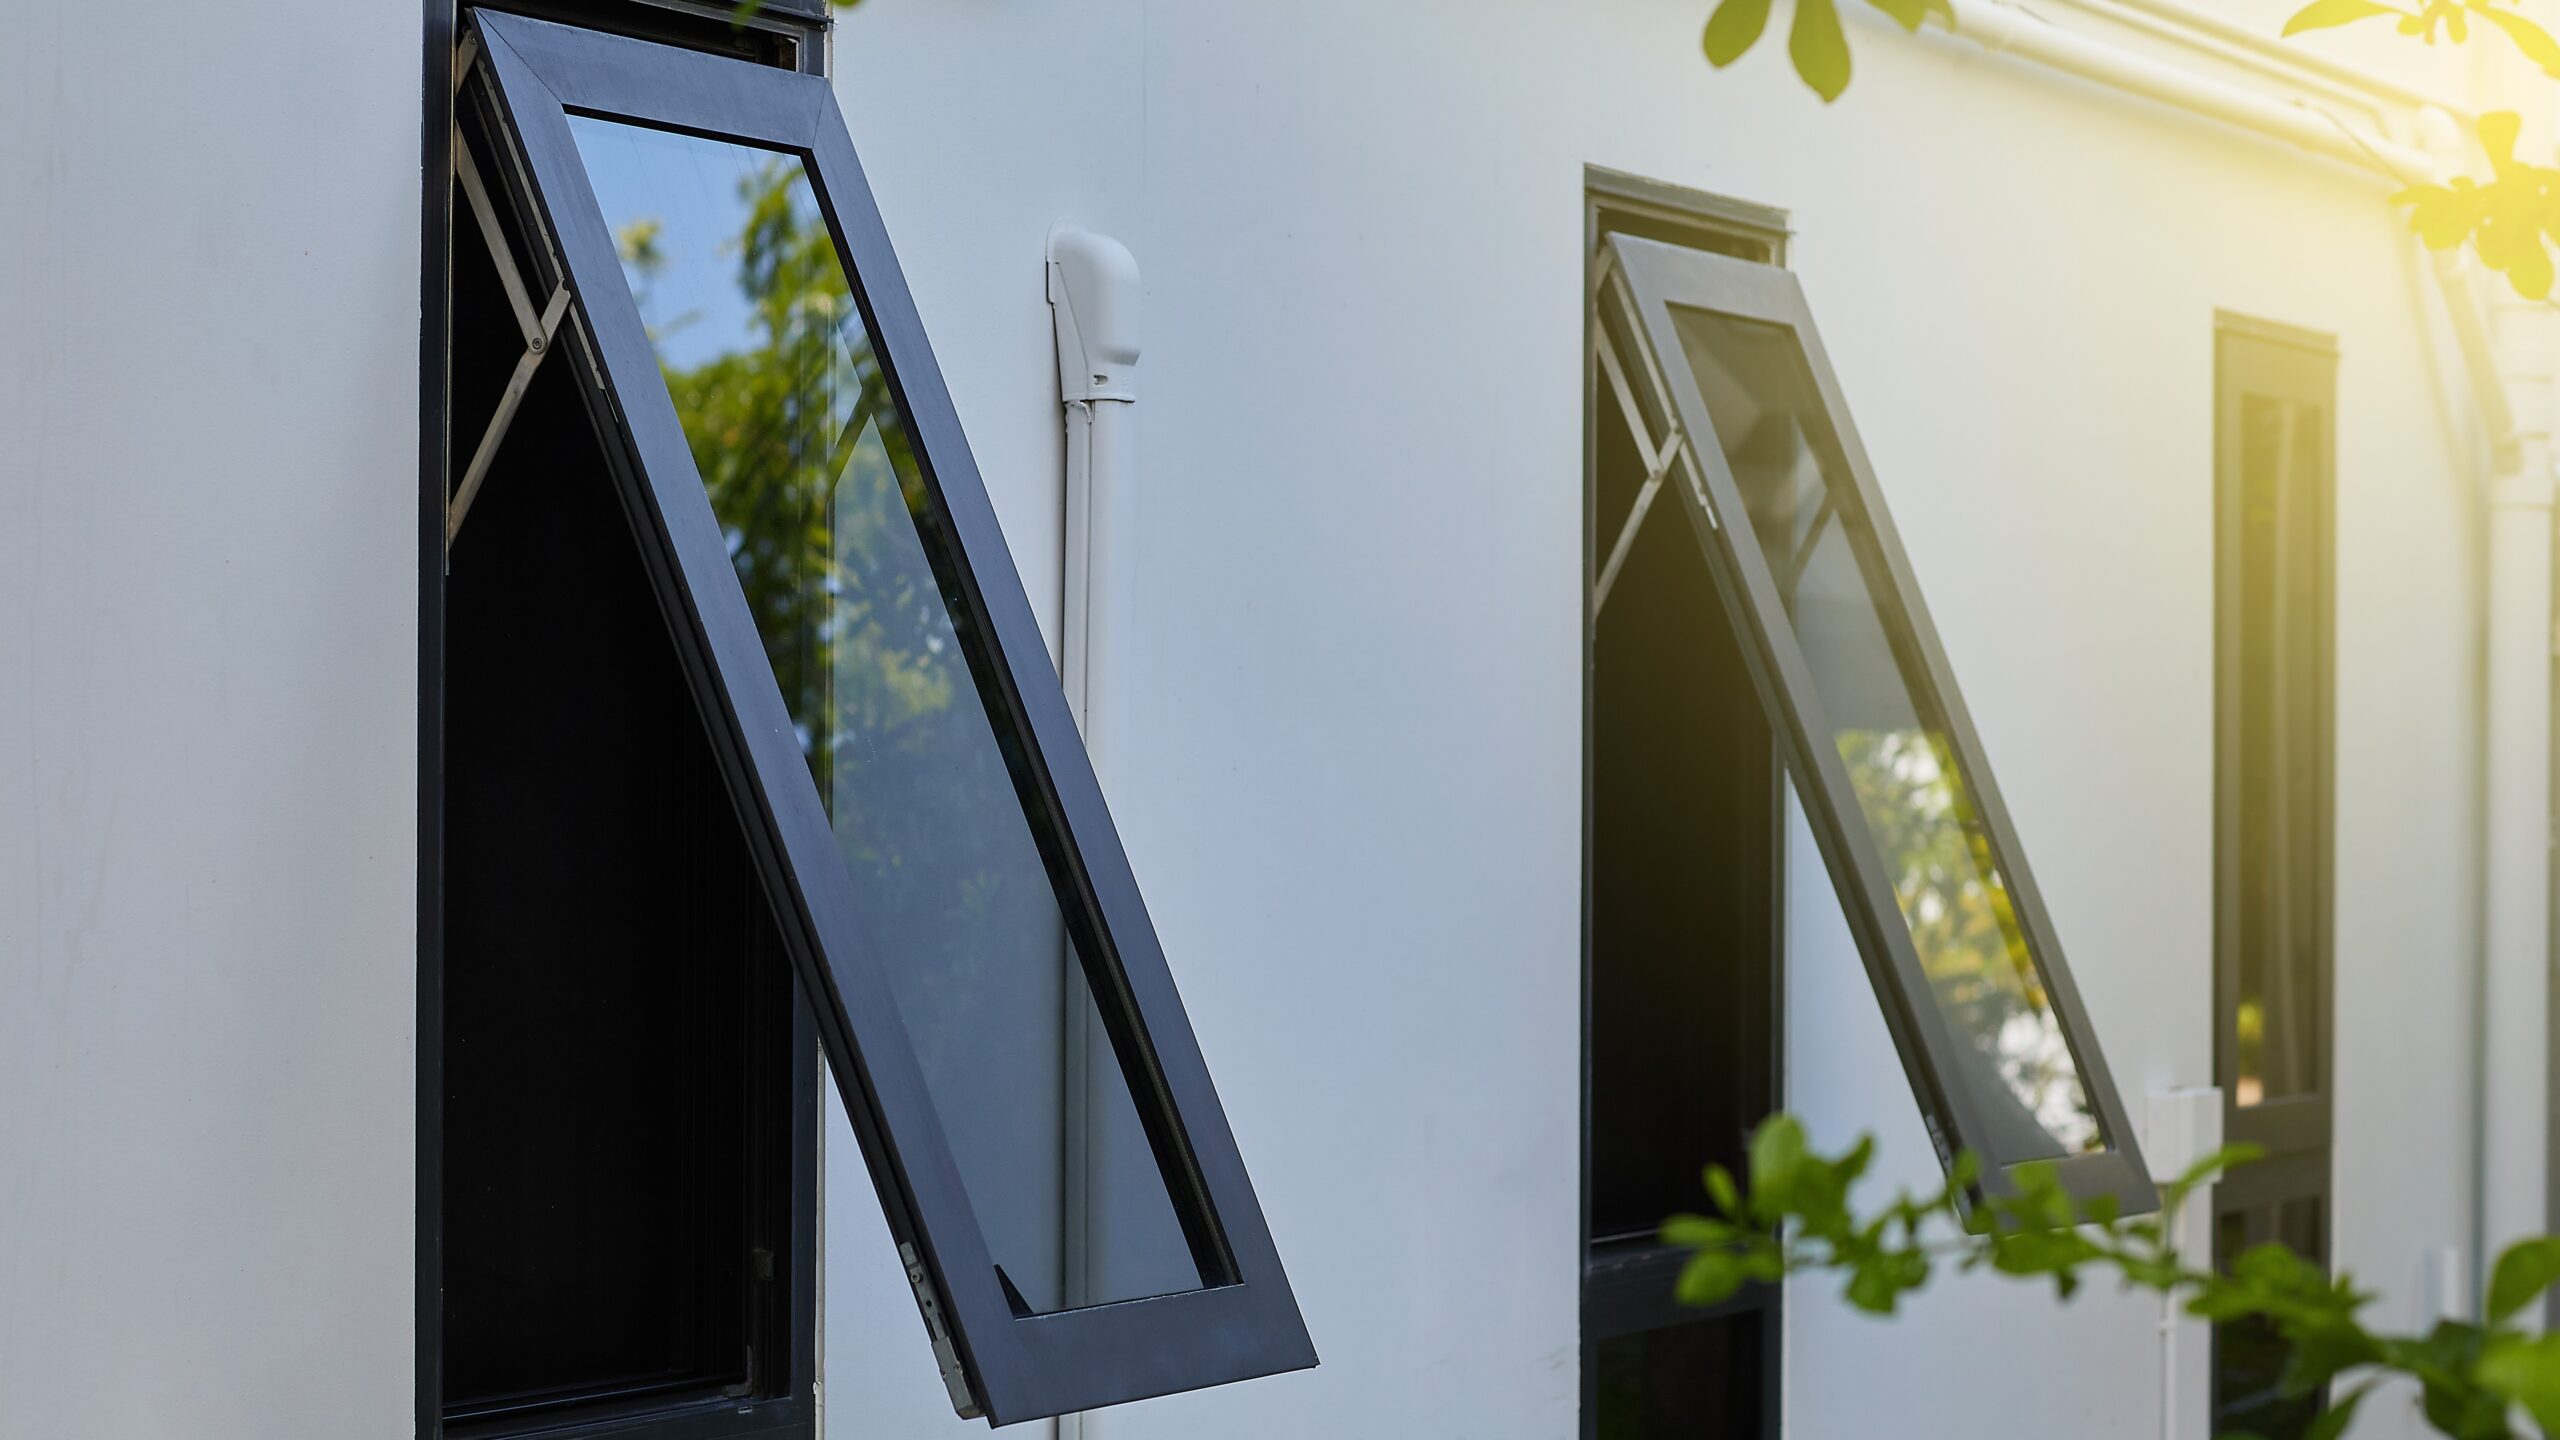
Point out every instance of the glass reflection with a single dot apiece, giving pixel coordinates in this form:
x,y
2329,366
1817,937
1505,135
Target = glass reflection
x,y
1890,732
2278,770
817,490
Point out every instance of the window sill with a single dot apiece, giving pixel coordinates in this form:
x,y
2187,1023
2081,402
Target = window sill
x,y
1627,1289
708,1419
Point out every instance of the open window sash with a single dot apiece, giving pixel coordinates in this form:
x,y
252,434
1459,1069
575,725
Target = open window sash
x,y
1722,377
928,825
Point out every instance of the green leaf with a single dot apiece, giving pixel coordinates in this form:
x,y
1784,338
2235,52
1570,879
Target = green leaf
x,y
1860,1156
2498,132
2532,39
1710,1277
2523,1272
1720,1188
2528,1373
1871,1290
2211,1167
2530,270
2322,14
1696,1232
2229,1157
1966,1170
2331,1423
2319,1354
1820,51
2442,216
1734,28
1777,1162
1906,13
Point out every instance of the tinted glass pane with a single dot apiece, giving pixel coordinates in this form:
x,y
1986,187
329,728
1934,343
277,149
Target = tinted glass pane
x,y
2276,1032
1695,1382
1684,839
854,588
1889,727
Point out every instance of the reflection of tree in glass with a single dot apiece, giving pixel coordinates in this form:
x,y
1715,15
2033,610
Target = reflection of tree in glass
x,y
1962,923
773,425
825,511
811,476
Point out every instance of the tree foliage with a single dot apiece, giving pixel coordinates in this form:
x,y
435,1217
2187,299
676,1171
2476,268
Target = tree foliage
x,y
1801,1216
823,507
2511,218
1815,42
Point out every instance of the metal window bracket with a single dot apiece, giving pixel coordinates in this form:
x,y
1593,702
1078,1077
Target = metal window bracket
x,y
1659,459
538,331
536,346
955,1377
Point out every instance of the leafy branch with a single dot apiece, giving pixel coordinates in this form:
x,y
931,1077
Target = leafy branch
x,y
2511,218
1799,1217
1815,42
2451,18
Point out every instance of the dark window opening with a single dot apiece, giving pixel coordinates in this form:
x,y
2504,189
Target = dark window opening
x,y
2275,392
1685,833
1684,1383
629,1083
1685,828
789,34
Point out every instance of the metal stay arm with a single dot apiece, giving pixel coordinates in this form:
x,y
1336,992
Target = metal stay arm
x,y
1658,460
538,329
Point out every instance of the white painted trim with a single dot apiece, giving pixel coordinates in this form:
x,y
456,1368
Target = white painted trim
x,y
2288,63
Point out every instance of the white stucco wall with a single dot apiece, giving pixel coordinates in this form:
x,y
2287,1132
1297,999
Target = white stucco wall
x,y
208,598
1346,745
1346,742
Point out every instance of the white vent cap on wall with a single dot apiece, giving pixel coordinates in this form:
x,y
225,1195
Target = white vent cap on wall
x,y
1093,300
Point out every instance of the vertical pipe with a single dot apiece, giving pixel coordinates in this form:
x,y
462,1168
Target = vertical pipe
x,y
1074,622
1076,1140
2511,382
2180,1127
1108,437
1093,301
2515,1102
2515,1093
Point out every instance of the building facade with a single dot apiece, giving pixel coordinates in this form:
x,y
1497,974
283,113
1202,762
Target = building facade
x,y
2202,466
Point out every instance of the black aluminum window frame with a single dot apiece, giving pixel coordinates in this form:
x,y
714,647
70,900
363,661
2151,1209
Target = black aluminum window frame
x,y
1628,1282
2257,359
999,1364
790,33
2262,359
1645,280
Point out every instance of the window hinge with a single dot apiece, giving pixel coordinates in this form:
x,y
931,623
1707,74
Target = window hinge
x,y
945,1354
